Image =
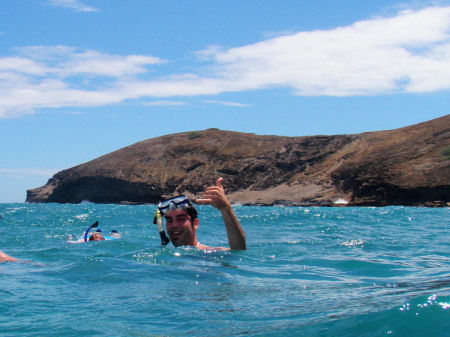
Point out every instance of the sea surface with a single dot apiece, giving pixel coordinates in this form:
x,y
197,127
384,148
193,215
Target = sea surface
x,y
308,272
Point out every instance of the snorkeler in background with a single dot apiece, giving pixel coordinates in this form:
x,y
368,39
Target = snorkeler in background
x,y
96,236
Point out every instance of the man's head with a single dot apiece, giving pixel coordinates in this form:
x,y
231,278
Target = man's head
x,y
181,220
97,236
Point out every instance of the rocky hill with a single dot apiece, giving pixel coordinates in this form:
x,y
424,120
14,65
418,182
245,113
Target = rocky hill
x,y
407,166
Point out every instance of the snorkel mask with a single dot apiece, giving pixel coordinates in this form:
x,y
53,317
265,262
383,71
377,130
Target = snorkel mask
x,y
179,202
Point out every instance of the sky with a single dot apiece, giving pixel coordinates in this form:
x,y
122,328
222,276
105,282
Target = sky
x,y
82,78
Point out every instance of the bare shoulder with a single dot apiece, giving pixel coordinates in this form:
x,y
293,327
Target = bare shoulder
x,y
204,247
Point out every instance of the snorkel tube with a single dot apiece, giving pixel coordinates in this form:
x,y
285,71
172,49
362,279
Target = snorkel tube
x,y
95,225
158,220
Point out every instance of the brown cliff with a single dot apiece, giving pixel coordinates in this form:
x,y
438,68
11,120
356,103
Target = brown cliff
x,y
407,166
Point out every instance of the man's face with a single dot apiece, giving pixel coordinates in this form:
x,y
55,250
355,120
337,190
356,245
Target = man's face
x,y
180,227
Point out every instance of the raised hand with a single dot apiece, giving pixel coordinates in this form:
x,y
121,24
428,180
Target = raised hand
x,y
215,196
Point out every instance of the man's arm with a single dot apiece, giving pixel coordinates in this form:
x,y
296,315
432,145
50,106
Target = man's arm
x,y
215,196
6,258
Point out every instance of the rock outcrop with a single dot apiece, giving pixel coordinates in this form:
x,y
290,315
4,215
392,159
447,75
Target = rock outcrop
x,y
407,166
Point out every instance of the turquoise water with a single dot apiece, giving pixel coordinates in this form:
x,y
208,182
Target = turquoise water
x,y
308,272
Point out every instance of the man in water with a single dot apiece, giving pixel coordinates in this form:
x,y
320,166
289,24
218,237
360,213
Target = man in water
x,y
182,222
96,236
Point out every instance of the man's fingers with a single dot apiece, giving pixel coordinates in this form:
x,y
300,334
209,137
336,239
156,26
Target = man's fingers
x,y
219,183
212,191
213,194
203,201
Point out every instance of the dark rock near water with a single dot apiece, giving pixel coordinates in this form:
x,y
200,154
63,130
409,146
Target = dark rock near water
x,y
407,166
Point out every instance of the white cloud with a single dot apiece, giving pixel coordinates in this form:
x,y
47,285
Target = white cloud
x,y
167,103
66,61
28,172
208,52
61,76
406,53
76,5
377,56
76,112
236,104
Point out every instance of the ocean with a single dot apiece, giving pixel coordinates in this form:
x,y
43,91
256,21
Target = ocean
x,y
309,271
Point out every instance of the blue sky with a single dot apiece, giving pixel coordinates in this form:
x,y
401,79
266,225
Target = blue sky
x,y
79,79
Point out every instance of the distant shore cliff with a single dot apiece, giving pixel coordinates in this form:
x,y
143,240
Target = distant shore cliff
x,y
408,166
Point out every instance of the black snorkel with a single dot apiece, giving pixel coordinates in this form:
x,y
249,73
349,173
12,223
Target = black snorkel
x,y
95,225
158,220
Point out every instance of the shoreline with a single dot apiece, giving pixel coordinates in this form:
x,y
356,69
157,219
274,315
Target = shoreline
x,y
430,204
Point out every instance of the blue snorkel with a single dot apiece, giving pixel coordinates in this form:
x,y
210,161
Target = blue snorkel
x,y
95,225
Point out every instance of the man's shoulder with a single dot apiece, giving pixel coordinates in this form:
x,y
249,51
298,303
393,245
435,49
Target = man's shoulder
x,y
204,247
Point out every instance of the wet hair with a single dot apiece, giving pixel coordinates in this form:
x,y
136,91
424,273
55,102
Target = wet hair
x,y
96,234
192,211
